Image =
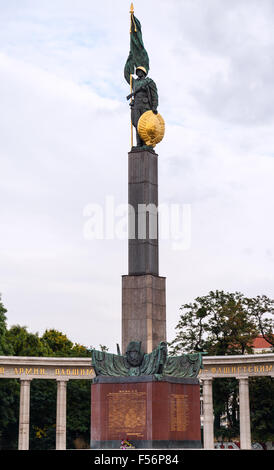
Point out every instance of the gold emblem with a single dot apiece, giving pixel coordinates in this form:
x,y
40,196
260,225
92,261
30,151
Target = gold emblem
x,y
151,128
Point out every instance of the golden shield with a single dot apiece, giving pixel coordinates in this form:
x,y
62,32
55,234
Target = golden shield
x,y
151,128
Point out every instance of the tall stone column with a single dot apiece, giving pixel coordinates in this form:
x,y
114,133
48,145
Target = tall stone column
x,y
24,414
143,290
245,432
208,414
61,414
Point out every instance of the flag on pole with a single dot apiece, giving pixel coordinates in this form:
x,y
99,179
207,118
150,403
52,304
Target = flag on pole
x,y
138,55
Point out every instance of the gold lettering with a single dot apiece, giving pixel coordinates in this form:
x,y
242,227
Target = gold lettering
x,y
42,372
2,370
57,371
268,368
213,370
82,372
68,371
262,368
250,369
21,371
219,370
89,371
256,368
239,368
35,371
75,372
28,371
226,370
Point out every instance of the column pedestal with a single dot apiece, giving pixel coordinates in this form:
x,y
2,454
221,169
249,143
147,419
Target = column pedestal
x,y
143,311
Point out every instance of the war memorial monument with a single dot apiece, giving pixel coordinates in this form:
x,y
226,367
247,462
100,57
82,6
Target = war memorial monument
x,y
141,394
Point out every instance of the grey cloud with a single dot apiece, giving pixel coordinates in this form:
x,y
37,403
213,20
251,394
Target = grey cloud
x,y
63,146
238,36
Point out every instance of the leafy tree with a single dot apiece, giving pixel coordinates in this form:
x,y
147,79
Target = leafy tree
x,y
59,345
218,323
261,309
18,341
57,342
43,414
227,323
78,413
261,392
9,390
225,399
26,344
5,347
9,413
43,398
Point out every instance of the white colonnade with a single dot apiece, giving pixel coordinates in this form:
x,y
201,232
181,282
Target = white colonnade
x,y
63,369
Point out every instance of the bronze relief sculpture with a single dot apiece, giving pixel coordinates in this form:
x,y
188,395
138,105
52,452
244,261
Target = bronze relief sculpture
x,y
136,363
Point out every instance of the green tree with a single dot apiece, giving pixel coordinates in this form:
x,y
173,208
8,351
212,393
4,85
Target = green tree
x,y
218,323
26,344
5,347
18,341
9,390
225,399
43,397
78,413
261,392
43,414
9,413
222,323
58,344
261,310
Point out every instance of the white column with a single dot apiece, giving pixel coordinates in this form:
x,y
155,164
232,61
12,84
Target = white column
x,y
24,412
208,423
61,414
245,433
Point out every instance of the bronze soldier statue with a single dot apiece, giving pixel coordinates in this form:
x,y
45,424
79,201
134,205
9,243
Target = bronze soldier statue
x,y
143,98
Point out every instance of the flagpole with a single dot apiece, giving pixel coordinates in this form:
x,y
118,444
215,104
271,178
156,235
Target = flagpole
x,y
131,126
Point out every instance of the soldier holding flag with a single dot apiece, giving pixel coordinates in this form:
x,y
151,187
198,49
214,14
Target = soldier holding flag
x,y
144,95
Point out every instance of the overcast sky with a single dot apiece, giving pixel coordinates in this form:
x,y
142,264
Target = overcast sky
x,y
64,138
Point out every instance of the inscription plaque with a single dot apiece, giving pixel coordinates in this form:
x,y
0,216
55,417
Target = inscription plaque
x,y
150,413
179,412
126,413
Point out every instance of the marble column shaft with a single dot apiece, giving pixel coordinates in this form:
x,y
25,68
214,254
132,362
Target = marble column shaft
x,y
61,414
245,432
24,414
208,414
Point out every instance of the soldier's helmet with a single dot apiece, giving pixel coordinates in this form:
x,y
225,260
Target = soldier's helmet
x,y
140,67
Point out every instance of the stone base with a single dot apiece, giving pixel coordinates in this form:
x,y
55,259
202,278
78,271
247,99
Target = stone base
x,y
150,414
143,311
